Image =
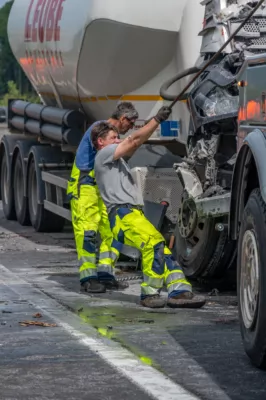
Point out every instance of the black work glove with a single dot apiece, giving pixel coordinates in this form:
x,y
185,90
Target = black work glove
x,y
163,114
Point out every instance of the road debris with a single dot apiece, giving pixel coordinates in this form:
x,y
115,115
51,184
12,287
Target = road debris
x,y
37,323
214,292
146,321
37,315
6,312
226,321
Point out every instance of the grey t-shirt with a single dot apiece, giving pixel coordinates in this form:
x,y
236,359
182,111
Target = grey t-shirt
x,y
114,179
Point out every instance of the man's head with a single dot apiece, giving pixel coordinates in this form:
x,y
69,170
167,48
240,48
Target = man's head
x,y
104,134
125,117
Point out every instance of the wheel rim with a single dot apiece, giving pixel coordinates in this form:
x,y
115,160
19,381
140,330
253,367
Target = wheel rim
x,y
187,218
5,182
19,192
190,227
249,279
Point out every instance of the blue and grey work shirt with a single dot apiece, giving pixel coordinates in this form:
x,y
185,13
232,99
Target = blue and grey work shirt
x,y
86,153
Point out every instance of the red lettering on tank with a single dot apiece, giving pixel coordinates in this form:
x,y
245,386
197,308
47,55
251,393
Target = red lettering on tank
x,y
27,57
50,23
40,59
57,20
34,34
49,57
43,58
27,34
30,57
42,20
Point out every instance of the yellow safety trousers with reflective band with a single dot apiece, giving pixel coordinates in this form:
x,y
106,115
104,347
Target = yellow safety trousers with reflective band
x,y
131,227
89,216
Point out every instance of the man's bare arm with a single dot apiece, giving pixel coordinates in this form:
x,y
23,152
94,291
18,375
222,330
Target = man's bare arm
x,y
128,156
134,141
129,145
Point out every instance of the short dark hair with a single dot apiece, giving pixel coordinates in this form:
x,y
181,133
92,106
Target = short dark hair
x,y
125,109
100,130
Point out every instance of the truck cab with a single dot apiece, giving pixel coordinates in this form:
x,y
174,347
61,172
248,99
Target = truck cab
x,y
221,220
247,220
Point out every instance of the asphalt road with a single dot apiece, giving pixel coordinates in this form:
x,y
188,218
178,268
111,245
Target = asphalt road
x,y
108,347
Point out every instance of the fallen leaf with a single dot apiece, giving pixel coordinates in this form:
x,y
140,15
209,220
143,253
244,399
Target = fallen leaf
x,y
36,323
38,315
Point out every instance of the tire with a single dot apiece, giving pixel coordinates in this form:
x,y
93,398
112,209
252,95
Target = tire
x,y
41,219
252,257
21,201
7,191
210,257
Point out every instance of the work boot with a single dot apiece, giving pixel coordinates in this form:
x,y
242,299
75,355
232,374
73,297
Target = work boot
x,y
115,285
93,286
155,301
186,300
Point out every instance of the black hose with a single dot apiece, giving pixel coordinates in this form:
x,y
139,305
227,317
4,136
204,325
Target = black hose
x,y
216,55
171,81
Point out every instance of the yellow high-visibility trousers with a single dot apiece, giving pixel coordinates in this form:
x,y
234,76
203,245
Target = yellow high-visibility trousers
x,y
131,227
89,216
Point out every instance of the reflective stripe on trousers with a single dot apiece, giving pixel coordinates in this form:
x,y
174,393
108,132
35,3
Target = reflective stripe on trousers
x,y
132,228
175,279
89,215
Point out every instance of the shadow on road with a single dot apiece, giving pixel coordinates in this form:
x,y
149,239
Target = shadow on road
x,y
12,228
217,349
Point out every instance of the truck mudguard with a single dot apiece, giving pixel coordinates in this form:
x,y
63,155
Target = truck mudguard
x,y
254,146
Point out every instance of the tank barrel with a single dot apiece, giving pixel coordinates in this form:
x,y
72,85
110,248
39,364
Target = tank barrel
x,y
59,125
57,116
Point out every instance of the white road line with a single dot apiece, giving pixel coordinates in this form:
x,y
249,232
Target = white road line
x,y
148,379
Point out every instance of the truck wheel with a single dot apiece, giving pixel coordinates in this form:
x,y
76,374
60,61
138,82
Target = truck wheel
x,y
7,190
41,219
251,279
201,250
21,201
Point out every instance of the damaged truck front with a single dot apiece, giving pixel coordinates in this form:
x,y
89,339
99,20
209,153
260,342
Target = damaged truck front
x,y
222,217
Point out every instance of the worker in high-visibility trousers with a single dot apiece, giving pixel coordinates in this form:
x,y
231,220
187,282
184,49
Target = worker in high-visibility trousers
x,y
129,225
89,215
